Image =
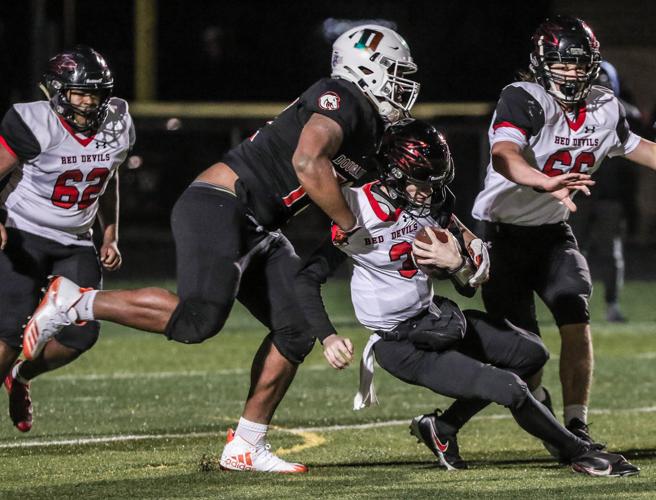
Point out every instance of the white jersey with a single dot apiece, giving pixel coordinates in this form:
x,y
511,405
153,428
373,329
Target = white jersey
x,y
386,287
54,190
553,143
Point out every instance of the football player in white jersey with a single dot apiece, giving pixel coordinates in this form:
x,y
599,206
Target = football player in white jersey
x,y
59,159
548,134
427,340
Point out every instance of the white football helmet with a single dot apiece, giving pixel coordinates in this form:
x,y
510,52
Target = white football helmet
x,y
377,59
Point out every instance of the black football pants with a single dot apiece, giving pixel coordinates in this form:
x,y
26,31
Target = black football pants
x,y
487,366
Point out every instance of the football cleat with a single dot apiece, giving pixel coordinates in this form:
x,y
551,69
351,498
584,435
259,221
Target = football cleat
x,y
20,403
580,429
240,455
600,463
54,312
444,446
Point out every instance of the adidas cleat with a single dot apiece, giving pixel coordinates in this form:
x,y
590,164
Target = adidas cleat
x,y
54,312
239,455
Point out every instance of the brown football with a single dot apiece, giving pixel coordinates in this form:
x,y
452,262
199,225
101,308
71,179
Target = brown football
x,y
442,236
440,233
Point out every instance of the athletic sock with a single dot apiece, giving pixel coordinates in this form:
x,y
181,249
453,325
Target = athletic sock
x,y
84,306
251,432
576,411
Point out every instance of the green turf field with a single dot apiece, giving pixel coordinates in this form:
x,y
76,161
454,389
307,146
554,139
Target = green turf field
x,y
139,417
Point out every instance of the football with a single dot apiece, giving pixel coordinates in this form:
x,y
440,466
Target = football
x,y
442,236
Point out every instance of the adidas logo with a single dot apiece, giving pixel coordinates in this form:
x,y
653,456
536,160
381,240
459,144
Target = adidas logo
x,y
241,462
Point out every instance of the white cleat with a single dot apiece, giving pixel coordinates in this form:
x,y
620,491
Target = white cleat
x,y
239,455
54,312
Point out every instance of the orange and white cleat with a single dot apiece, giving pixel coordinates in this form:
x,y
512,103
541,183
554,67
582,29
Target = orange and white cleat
x,y
54,312
20,403
240,455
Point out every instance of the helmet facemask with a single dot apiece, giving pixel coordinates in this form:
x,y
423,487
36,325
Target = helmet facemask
x,y
567,89
93,115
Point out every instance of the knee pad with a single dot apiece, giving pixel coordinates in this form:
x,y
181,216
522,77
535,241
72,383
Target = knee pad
x,y
196,320
293,344
570,308
501,386
518,392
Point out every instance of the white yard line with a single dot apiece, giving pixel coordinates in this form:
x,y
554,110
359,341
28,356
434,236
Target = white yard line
x,y
158,375
330,428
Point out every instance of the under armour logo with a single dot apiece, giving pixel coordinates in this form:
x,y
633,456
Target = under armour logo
x,y
101,144
589,129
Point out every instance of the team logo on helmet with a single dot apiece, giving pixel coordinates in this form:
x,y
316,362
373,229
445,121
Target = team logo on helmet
x,y
65,63
369,40
329,101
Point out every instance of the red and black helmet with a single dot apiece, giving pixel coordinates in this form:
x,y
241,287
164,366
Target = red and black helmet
x,y
414,152
565,40
80,68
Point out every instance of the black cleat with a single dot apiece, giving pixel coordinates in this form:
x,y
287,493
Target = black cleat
x,y
581,430
444,446
600,463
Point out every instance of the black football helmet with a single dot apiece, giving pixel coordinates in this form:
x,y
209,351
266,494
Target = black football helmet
x,y
81,68
414,152
565,40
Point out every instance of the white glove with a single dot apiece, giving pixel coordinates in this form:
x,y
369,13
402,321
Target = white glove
x,y
481,258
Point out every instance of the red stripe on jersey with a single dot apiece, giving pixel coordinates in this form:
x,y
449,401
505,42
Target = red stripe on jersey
x,y
580,118
378,210
510,125
82,140
7,147
294,196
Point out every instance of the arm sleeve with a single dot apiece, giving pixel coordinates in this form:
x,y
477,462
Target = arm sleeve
x,y
318,268
518,114
331,99
18,137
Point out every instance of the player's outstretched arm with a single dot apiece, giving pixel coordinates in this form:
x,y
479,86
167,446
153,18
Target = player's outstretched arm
x,y
507,159
644,154
110,255
319,142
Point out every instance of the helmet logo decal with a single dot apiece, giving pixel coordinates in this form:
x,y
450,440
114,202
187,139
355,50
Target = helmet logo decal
x,y
65,63
329,101
369,40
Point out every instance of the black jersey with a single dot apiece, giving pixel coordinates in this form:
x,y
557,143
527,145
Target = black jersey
x,y
267,180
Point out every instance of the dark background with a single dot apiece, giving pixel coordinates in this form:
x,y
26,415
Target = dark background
x,y
255,51
271,51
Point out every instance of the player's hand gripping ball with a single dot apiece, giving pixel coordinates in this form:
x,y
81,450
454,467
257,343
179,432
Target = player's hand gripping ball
x,y
437,256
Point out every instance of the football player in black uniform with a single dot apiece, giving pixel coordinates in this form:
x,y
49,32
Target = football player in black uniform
x,y
225,223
